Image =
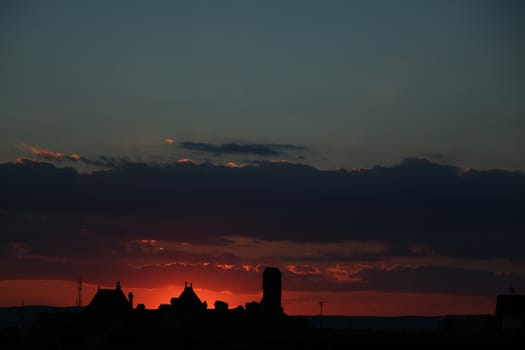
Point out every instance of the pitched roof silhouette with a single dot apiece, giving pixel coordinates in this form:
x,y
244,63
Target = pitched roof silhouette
x,y
109,301
188,299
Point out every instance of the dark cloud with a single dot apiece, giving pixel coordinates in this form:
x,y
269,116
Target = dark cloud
x,y
56,216
106,162
235,148
152,275
475,213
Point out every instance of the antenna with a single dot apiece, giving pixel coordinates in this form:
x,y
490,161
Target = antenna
x,y
321,303
79,293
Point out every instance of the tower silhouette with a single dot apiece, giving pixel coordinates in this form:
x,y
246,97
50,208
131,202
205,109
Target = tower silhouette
x,y
271,300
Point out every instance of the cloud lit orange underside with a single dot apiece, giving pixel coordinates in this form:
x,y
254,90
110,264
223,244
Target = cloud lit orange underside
x,y
64,293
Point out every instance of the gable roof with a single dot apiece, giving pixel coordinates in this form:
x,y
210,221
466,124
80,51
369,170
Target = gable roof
x,y
188,297
188,300
109,301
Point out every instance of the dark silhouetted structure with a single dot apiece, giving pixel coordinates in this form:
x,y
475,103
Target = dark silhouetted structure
x,y
510,312
220,305
188,301
271,300
130,300
110,322
110,302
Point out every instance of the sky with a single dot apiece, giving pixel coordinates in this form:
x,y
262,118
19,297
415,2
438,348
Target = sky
x,y
372,150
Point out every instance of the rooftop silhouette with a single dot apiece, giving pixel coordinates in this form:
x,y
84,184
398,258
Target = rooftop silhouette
x,y
111,320
111,301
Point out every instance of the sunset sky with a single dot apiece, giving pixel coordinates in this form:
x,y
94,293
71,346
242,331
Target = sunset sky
x,y
374,151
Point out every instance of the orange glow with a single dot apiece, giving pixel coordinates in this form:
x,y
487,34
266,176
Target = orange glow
x,y
366,303
225,266
185,160
248,268
148,242
232,165
304,270
152,298
43,292
169,141
44,153
347,272
64,293
48,154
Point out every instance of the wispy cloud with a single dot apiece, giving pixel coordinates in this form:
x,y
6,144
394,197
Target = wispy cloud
x,y
303,270
232,165
48,154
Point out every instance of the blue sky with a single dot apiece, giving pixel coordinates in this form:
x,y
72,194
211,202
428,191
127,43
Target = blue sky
x,y
359,83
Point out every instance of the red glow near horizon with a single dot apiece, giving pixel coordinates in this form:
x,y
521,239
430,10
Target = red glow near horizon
x,y
368,303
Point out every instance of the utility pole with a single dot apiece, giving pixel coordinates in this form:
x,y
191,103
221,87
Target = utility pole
x,y
79,293
321,303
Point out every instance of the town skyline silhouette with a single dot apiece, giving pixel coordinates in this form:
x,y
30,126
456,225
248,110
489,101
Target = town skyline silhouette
x,y
112,319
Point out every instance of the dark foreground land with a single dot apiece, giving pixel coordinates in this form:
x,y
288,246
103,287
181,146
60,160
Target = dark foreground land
x,y
75,331
309,339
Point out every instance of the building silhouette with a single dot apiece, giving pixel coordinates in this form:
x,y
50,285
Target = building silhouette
x,y
110,321
510,312
271,300
188,301
111,302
